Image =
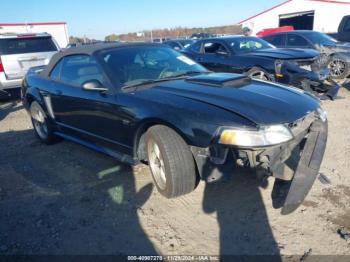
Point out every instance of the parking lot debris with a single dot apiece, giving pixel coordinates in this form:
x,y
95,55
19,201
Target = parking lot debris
x,y
306,255
344,234
324,179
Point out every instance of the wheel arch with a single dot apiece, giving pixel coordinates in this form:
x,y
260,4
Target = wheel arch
x,y
139,147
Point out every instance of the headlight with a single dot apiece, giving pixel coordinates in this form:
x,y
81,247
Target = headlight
x,y
265,136
278,68
322,114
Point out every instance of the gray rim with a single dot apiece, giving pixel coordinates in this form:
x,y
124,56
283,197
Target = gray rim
x,y
259,75
39,122
337,67
156,163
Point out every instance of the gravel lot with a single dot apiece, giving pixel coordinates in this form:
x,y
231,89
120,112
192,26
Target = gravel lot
x,y
66,199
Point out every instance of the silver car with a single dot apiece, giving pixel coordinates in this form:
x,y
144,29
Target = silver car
x,y
19,52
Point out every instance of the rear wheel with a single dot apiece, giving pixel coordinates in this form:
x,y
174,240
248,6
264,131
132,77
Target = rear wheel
x,y
171,162
41,124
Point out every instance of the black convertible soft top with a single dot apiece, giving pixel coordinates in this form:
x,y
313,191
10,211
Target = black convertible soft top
x,y
88,50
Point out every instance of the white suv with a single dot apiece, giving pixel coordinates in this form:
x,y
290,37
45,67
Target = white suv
x,y
19,52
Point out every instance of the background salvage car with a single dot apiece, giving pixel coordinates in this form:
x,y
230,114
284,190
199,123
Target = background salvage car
x,y
179,44
19,52
259,59
338,52
149,103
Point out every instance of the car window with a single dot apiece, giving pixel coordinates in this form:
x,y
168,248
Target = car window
x,y
12,46
174,45
320,38
276,40
132,65
296,40
248,44
214,48
77,69
186,43
56,71
196,47
347,26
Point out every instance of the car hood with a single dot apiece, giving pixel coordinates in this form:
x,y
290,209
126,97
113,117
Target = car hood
x,y
285,53
262,103
337,47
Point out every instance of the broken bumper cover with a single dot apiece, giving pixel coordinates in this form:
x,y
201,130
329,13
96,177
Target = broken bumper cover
x,y
321,89
308,167
310,138
316,82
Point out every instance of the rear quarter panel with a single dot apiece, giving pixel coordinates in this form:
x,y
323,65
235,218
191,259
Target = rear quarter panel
x,y
33,82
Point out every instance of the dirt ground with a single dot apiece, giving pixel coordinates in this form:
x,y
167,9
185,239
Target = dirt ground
x,y
66,199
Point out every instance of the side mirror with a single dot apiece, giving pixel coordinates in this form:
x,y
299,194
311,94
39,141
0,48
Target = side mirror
x,y
94,85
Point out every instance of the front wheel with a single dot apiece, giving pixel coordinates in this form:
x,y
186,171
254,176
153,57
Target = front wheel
x,y
41,124
339,67
258,73
171,162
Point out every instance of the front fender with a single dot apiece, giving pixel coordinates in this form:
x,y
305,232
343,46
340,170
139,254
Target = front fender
x,y
194,134
267,64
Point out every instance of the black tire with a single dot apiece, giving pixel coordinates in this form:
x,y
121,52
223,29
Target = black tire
x,y
257,70
343,70
177,162
43,128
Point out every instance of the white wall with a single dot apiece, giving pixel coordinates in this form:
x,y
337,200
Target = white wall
x,y
58,31
327,15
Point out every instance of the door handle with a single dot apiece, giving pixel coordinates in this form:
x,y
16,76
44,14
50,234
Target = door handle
x,y
200,59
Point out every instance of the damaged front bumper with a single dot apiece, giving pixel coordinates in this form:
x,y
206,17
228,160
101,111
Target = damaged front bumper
x,y
316,81
297,161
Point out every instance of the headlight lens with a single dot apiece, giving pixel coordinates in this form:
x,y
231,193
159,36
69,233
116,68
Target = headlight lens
x,y
278,68
322,114
265,136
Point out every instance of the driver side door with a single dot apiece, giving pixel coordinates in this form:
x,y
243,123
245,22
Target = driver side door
x,y
90,115
216,56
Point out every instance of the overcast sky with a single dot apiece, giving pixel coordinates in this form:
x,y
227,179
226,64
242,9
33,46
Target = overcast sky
x,y
98,18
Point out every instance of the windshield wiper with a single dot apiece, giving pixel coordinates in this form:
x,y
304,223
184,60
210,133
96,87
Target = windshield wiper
x,y
175,77
146,82
188,73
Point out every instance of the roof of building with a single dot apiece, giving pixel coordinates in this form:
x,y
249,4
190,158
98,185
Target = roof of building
x,y
288,1
22,35
33,23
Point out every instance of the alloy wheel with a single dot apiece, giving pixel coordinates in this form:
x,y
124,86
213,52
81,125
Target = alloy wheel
x,y
39,121
259,75
337,67
156,163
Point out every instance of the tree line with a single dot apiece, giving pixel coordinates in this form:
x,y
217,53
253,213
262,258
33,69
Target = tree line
x,y
176,32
